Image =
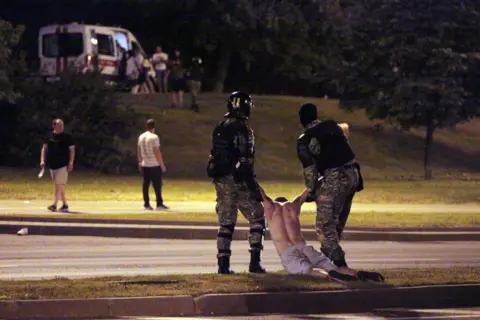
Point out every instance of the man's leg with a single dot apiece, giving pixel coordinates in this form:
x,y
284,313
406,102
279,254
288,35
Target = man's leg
x,y
146,185
56,193
331,194
61,180
344,213
252,210
226,209
180,98
157,186
351,177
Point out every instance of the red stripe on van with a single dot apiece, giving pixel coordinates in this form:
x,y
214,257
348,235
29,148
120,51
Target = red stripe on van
x,y
107,63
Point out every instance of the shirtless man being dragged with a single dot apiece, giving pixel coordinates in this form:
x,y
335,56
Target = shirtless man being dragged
x,y
296,256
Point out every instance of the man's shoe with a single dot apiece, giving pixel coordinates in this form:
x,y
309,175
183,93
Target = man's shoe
x,y
162,207
52,208
224,265
255,266
64,208
148,208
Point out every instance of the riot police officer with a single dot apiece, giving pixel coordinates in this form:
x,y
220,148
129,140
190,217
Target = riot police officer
x,y
332,176
231,165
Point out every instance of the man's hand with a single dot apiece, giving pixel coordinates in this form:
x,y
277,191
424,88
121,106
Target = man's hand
x,y
70,166
163,168
42,164
140,166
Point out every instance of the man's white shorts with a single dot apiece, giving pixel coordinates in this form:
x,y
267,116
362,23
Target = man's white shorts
x,y
318,259
59,176
294,261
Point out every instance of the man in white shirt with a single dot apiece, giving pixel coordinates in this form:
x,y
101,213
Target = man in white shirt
x,y
160,60
296,256
150,163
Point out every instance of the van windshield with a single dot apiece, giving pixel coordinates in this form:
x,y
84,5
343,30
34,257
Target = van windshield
x,y
106,45
62,45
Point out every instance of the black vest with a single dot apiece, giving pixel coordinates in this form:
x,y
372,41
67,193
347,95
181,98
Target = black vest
x,y
335,148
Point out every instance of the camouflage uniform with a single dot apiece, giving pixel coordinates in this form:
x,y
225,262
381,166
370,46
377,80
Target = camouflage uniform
x,y
234,192
232,196
333,193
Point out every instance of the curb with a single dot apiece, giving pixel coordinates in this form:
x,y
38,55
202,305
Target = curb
x,y
210,232
344,301
210,224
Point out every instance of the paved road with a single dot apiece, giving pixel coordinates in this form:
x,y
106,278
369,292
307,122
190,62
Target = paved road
x,y
397,314
110,207
34,257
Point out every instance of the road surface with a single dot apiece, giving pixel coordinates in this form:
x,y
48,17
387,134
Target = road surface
x,y
385,314
36,257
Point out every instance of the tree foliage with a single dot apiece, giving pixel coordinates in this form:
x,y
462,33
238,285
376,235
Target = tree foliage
x,y
100,128
414,63
9,37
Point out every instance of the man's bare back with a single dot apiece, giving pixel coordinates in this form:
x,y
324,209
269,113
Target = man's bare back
x,y
283,221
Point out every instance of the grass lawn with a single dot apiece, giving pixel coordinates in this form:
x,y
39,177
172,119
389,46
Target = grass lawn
x,y
356,219
383,151
212,283
24,185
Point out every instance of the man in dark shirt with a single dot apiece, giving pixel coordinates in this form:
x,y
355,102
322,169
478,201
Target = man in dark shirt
x,y
332,177
176,79
194,80
58,154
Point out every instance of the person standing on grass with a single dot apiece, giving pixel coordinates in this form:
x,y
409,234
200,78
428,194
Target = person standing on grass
x,y
58,154
150,163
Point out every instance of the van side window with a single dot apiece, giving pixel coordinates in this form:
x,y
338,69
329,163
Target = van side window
x,y
62,45
106,45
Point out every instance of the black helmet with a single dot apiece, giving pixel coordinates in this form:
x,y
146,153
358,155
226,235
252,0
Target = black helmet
x,y
239,104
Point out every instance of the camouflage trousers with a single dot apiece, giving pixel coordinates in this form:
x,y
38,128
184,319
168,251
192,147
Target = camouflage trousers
x,y
334,200
231,197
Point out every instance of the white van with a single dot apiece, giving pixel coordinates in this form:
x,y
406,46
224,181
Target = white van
x,y
84,47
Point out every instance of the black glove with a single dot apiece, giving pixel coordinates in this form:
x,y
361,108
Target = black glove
x,y
310,197
335,275
373,276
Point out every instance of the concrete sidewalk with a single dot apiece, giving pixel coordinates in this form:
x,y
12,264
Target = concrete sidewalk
x,y
131,207
190,231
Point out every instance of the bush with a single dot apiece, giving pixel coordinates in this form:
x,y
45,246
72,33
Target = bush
x,y
101,129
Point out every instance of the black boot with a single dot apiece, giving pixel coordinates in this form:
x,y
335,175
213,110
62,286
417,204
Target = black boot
x,y
255,266
224,265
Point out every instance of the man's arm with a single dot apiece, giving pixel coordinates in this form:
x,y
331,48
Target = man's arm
x,y
265,197
139,156
43,154
300,199
244,144
158,155
72,157
310,172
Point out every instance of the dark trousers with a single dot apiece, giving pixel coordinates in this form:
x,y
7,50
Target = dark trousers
x,y
152,175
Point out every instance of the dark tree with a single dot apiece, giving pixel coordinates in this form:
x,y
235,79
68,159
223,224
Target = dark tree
x,y
413,63
9,37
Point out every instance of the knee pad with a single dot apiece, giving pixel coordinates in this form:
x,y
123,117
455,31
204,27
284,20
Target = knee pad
x,y
226,231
